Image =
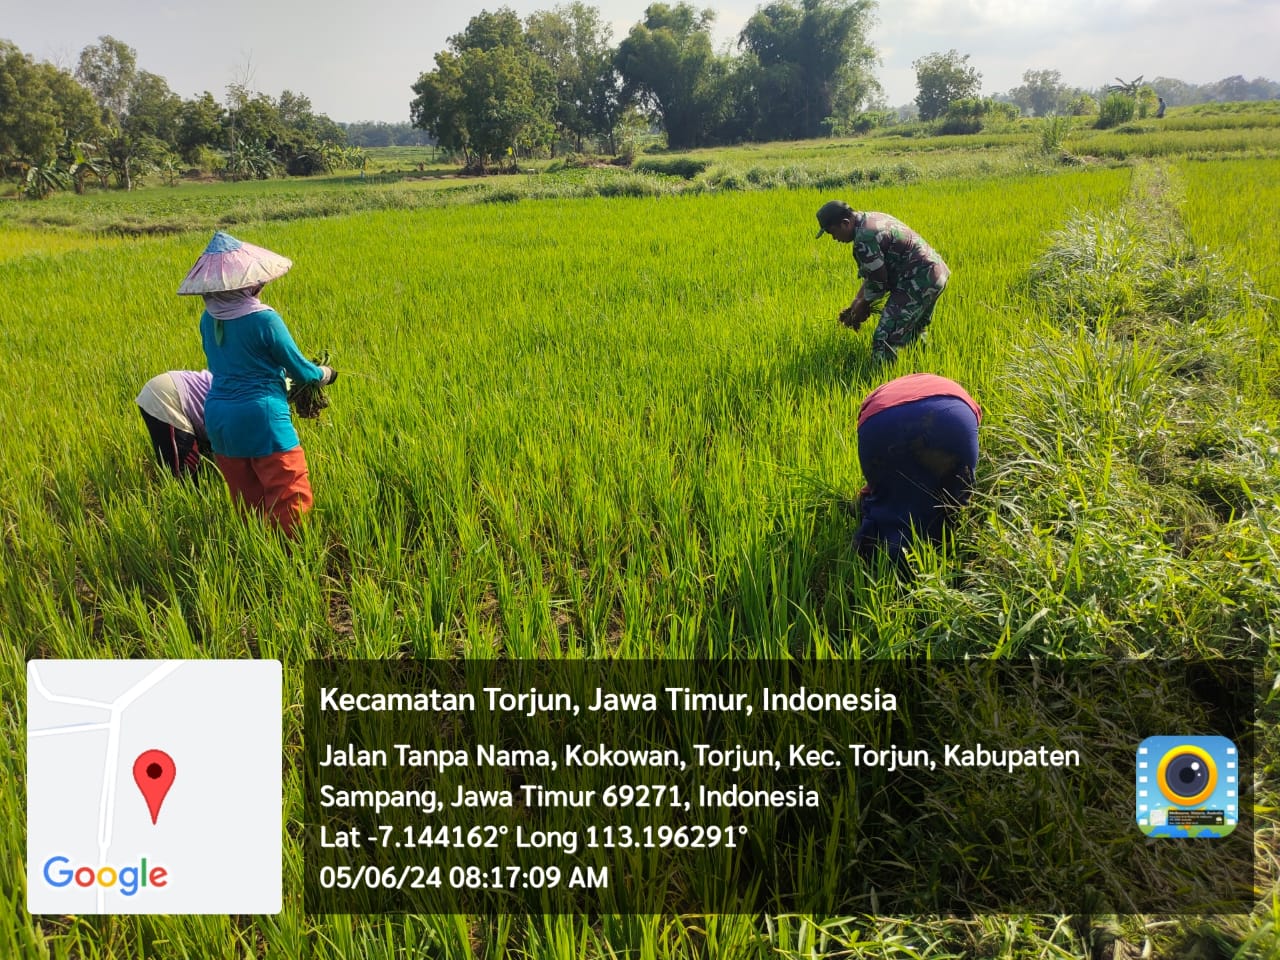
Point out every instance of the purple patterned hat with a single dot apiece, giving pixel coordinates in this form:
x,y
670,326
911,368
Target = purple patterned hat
x,y
231,264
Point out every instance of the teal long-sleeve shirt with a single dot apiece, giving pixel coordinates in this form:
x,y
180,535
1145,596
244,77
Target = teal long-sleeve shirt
x,y
247,411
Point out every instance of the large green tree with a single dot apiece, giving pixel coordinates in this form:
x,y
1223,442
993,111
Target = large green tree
x,y
30,128
812,63
574,42
489,96
489,31
668,63
295,110
147,131
108,68
306,138
45,116
76,109
142,114
942,79
153,109
1042,92
141,136
258,120
80,154
201,126
438,106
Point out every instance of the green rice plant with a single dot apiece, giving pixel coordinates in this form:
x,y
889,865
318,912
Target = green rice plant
x,y
309,399
1155,140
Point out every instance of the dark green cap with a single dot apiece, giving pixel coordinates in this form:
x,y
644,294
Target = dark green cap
x,y
831,213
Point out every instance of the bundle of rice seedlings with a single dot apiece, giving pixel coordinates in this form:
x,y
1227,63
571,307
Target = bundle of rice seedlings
x,y
308,399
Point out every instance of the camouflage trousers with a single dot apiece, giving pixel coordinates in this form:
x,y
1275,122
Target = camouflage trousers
x,y
908,311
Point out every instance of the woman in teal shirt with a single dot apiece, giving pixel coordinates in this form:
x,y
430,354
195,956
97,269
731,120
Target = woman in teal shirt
x,y
249,352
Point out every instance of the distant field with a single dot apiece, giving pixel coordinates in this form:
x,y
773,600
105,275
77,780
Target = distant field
x,y
394,180
595,425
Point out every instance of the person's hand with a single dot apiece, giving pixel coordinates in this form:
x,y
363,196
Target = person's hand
x,y
855,315
330,375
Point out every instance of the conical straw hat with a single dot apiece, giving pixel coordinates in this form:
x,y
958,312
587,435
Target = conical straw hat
x,y
231,264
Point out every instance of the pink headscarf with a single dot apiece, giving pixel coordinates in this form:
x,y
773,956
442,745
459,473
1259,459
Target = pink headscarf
x,y
232,304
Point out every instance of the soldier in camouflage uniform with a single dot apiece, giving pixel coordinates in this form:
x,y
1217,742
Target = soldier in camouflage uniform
x,y
892,259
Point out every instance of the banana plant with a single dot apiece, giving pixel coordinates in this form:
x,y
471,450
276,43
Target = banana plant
x,y
83,161
252,159
43,179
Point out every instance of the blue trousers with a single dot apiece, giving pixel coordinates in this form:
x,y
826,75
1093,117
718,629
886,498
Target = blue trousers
x,y
919,460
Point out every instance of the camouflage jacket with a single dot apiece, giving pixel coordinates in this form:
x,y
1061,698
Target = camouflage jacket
x,y
880,240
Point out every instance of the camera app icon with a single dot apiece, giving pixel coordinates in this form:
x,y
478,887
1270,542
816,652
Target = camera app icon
x,y
1187,786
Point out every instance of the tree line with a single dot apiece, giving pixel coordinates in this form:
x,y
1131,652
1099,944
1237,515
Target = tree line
x,y
110,121
947,79
504,87
1042,92
377,133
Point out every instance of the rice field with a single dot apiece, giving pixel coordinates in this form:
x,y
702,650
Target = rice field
x,y
1226,208
594,426
33,242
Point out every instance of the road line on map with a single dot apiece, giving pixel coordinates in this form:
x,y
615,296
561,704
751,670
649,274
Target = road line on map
x,y
107,809
74,728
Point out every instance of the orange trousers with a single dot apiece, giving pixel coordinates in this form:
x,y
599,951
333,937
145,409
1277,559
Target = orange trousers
x,y
275,486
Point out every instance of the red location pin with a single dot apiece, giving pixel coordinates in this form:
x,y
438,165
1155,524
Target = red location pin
x,y
153,773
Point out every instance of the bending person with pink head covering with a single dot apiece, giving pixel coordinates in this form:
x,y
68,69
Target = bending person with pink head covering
x,y
918,447
250,352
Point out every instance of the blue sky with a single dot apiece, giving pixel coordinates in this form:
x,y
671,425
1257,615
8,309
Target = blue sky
x,y
357,60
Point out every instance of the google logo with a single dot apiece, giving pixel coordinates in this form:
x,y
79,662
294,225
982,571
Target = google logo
x,y
130,879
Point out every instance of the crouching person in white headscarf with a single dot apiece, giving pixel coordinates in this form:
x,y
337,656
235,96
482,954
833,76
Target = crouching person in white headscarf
x,y
172,407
